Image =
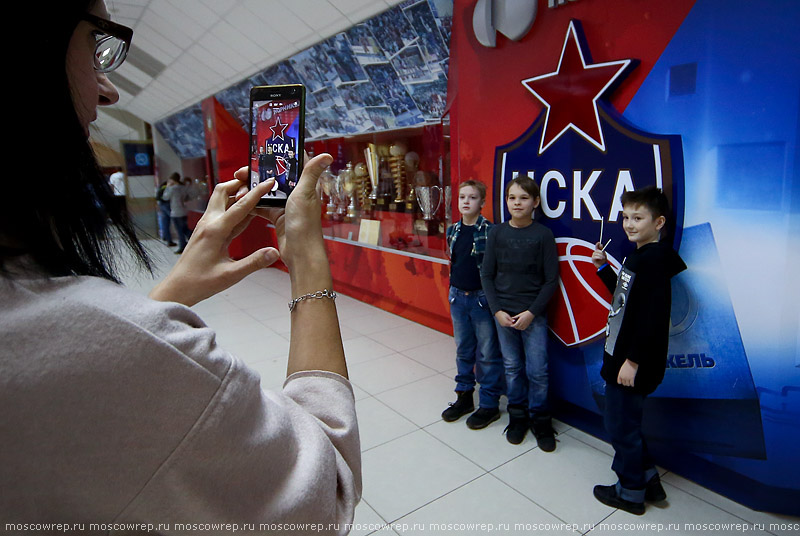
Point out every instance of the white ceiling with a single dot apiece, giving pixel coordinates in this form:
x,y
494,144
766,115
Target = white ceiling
x,y
185,50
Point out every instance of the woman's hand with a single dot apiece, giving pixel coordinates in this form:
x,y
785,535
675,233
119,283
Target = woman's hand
x,y
204,268
315,342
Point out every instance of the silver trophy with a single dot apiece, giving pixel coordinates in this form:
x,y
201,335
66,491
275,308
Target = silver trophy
x,y
448,201
350,187
425,200
339,195
326,182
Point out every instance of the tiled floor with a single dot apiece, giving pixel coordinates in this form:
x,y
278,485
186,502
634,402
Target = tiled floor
x,y
425,476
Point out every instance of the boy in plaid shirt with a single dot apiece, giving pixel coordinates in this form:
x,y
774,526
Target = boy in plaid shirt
x,y
477,349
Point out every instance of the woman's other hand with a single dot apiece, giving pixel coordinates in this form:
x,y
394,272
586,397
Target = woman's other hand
x,y
205,268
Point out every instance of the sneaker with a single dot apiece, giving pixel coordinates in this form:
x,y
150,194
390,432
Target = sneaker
x,y
608,496
462,406
654,492
483,418
542,428
517,424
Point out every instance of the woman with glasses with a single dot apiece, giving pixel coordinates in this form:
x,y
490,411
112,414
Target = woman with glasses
x,y
117,408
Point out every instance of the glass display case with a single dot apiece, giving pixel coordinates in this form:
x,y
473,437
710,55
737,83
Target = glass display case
x,y
388,190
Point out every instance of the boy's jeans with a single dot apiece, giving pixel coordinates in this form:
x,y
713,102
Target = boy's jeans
x,y
623,421
525,360
476,346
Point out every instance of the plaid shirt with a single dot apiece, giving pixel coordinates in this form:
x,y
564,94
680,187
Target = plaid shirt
x,y
478,242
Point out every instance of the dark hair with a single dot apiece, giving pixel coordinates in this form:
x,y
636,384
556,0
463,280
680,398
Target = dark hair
x,y
475,184
59,207
526,183
649,197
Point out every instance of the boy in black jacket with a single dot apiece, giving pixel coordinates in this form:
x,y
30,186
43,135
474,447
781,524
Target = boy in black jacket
x,y
637,337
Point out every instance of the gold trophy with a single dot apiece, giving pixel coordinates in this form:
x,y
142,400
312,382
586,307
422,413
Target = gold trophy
x,y
362,181
397,166
371,154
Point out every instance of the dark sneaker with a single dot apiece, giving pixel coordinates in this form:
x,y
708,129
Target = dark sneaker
x,y
542,428
654,492
517,425
608,496
483,418
462,406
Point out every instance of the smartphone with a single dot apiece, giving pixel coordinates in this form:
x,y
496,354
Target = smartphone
x,y
277,128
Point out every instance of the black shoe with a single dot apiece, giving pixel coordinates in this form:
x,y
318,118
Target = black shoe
x,y
654,492
171,244
462,406
483,418
542,428
517,424
608,496
178,251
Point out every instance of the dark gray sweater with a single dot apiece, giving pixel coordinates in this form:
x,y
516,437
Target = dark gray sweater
x,y
520,268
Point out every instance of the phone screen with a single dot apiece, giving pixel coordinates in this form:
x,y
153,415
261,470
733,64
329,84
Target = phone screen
x,y
276,145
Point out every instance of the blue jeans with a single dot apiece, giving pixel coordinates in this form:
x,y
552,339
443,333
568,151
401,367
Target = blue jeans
x,y
477,350
164,221
623,421
525,360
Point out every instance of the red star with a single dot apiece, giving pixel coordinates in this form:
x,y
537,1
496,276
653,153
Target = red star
x,y
571,92
278,126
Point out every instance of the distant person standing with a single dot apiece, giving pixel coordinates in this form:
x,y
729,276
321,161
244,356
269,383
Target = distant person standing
x,y
164,212
117,182
177,196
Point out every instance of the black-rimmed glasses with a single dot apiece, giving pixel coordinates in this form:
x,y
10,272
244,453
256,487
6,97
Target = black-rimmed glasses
x,y
113,42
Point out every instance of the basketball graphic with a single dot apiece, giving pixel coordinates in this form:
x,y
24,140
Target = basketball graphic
x,y
584,155
579,309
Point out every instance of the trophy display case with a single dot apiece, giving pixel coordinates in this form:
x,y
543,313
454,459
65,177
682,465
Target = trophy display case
x,y
388,190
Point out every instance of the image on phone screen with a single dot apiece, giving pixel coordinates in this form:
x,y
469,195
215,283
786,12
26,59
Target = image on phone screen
x,y
276,145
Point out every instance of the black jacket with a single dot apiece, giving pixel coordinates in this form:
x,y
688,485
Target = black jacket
x,y
639,320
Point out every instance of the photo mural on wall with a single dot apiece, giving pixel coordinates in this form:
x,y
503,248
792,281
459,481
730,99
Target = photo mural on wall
x,y
387,72
183,132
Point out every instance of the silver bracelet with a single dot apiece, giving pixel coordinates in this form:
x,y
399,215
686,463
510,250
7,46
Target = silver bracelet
x,y
318,295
